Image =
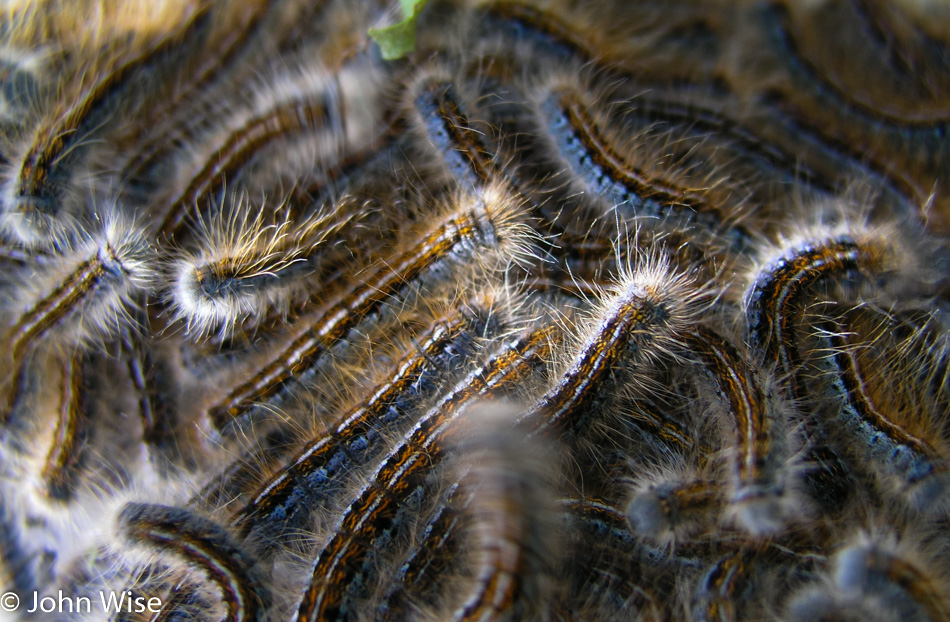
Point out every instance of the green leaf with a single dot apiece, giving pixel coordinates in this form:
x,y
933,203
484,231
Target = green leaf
x,y
412,7
399,39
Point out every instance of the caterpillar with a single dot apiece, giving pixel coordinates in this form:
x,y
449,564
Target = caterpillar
x,y
610,310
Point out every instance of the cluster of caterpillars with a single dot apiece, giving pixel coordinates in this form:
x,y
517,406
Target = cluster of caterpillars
x,y
581,311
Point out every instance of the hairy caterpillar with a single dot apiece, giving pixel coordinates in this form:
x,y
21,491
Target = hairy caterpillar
x,y
606,310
